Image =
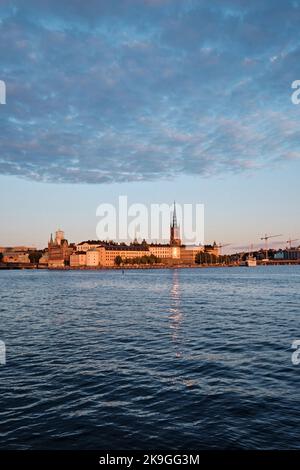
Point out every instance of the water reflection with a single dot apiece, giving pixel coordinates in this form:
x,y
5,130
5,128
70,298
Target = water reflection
x,y
176,314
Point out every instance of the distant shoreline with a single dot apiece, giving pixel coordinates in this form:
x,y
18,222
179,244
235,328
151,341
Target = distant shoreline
x,y
137,267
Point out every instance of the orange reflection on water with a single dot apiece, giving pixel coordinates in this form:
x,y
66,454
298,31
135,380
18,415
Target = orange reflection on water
x,y
176,314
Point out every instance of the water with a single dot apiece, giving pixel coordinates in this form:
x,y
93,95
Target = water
x,y
166,359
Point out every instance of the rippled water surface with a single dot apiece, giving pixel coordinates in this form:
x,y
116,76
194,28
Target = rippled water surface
x,y
165,359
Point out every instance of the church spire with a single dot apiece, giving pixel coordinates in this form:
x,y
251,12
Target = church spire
x,y
174,230
174,225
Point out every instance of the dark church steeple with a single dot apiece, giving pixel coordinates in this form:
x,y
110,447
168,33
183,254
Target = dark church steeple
x,y
174,225
174,230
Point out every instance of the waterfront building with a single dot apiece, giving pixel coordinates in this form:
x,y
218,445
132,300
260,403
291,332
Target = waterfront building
x,y
175,253
188,253
59,251
93,258
292,254
97,253
20,257
161,251
109,253
78,259
15,249
88,245
44,260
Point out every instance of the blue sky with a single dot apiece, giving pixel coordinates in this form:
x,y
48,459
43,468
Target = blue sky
x,y
156,99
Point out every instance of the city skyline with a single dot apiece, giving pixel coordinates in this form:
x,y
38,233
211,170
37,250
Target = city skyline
x,y
223,222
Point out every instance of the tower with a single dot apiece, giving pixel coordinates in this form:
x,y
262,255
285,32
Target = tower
x,y
174,230
58,250
59,236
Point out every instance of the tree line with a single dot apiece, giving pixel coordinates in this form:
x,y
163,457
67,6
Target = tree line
x,y
146,259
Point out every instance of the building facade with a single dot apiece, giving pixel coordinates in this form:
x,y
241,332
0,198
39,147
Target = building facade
x,y
88,245
78,259
93,258
109,253
188,254
290,254
96,253
160,251
59,251
20,257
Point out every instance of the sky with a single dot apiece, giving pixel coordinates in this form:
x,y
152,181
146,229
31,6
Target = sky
x,y
154,99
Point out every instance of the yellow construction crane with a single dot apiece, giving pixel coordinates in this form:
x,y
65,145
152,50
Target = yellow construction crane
x,y
290,241
266,238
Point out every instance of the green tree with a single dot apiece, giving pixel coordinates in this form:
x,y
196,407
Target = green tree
x,y
35,257
118,260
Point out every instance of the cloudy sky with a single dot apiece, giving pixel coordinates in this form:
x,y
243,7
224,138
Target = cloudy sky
x,y
156,99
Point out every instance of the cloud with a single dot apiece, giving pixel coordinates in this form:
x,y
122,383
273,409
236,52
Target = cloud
x,y
142,90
